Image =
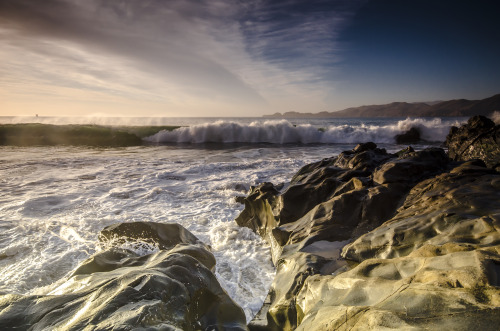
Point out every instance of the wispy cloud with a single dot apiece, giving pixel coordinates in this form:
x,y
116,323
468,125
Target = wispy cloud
x,y
185,55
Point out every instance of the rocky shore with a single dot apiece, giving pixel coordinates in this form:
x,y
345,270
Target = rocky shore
x,y
366,240
370,240
171,287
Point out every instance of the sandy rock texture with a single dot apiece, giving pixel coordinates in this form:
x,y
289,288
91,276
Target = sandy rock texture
x,y
370,240
171,288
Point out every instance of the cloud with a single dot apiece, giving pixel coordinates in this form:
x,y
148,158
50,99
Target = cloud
x,y
184,54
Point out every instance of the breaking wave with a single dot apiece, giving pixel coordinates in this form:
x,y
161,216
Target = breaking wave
x,y
284,132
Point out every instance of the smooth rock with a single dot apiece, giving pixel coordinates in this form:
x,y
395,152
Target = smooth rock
x,y
261,207
435,265
118,289
412,167
460,206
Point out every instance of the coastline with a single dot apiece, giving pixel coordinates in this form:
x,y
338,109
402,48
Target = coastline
x,y
370,240
367,239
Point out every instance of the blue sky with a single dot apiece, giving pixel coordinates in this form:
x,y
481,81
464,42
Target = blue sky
x,y
241,58
422,50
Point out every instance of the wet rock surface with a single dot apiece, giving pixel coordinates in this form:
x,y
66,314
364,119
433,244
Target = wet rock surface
x,y
170,288
372,240
478,139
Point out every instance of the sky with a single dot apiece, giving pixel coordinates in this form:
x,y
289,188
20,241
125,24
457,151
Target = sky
x,y
180,58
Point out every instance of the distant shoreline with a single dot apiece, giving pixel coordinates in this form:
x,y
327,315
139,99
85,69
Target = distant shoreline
x,y
451,108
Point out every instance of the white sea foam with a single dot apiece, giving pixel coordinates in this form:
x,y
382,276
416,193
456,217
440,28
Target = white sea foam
x,y
283,132
58,199
495,116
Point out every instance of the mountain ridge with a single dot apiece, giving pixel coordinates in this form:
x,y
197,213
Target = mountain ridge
x,y
450,108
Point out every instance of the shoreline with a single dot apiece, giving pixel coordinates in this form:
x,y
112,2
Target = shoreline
x,y
406,224
367,239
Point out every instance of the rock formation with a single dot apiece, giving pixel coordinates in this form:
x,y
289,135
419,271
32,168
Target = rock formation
x,y
172,288
371,240
478,139
411,136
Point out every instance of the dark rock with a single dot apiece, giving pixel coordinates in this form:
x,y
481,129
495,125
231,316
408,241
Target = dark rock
x,y
365,188
118,289
319,182
364,157
304,194
364,147
352,205
261,208
357,206
332,220
405,151
411,136
266,207
478,139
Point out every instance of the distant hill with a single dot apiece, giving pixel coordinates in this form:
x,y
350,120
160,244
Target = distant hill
x,y
461,107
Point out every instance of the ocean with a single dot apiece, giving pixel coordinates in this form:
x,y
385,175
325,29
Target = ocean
x,y
56,199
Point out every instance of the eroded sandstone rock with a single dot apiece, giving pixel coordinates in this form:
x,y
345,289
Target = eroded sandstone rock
x,y
262,206
434,265
172,288
459,206
361,195
421,239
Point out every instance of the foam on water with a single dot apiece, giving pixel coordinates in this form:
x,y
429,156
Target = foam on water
x,y
284,132
56,200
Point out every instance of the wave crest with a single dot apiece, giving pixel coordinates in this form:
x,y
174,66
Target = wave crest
x,y
284,132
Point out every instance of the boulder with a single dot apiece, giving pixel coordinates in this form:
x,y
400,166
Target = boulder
x,y
364,157
261,208
164,236
171,288
410,168
411,136
360,205
479,138
321,181
266,207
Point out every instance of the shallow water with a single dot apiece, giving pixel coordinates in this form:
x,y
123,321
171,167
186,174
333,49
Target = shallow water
x,y
55,200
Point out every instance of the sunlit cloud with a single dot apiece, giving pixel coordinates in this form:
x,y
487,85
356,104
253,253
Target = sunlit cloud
x,y
216,58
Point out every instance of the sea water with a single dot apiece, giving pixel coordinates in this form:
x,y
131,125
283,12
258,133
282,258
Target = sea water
x,y
55,200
